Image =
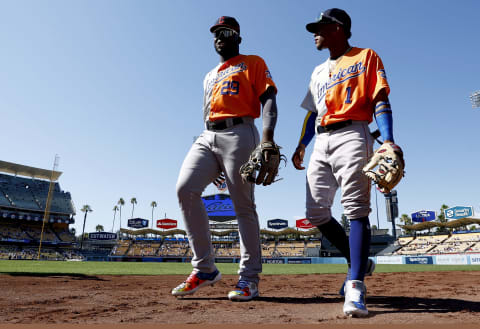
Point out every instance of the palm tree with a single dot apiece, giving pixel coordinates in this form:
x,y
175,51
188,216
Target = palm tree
x,y
345,223
99,228
121,203
441,217
406,220
133,201
153,205
115,209
86,209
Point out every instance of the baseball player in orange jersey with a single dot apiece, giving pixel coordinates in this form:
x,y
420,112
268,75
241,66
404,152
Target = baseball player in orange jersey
x,y
234,91
345,92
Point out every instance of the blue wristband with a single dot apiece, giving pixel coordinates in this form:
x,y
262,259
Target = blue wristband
x,y
385,123
308,129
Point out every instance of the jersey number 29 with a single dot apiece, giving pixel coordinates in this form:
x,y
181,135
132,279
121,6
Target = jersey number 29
x,y
230,88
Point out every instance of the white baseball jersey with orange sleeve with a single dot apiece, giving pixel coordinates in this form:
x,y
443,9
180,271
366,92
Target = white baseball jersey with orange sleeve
x,y
344,89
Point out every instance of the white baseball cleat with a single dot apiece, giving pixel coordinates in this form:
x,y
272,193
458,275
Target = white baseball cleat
x,y
355,292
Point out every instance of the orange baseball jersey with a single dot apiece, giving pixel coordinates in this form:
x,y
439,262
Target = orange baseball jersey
x,y
232,89
344,89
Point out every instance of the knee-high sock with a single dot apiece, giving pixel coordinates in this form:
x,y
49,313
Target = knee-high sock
x,y
360,237
335,233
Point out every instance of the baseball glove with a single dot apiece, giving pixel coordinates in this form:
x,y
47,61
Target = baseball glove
x,y
389,158
266,159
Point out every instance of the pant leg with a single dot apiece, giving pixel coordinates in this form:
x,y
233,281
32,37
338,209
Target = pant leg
x,y
199,169
234,147
321,184
351,149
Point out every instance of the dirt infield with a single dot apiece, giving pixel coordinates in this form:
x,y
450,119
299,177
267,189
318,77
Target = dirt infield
x,y
393,298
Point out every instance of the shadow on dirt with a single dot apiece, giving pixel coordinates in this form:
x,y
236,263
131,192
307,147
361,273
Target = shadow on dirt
x,y
386,304
74,276
395,304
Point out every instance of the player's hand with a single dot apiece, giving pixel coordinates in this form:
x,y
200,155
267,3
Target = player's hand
x,y
297,158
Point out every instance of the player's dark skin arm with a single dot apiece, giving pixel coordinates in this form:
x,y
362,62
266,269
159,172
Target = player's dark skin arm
x,y
269,105
381,97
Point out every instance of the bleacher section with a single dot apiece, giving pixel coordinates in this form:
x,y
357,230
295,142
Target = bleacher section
x,y
31,253
31,195
173,248
227,249
439,244
178,247
290,249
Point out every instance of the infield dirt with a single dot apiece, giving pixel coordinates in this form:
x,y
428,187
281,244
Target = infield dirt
x,y
393,298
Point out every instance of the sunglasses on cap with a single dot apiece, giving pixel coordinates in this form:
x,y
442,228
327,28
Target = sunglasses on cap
x,y
224,33
327,19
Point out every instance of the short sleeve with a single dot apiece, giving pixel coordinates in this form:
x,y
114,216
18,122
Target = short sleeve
x,y
377,78
308,103
263,77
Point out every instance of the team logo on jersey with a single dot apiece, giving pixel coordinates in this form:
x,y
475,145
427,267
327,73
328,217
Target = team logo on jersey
x,y
350,72
230,71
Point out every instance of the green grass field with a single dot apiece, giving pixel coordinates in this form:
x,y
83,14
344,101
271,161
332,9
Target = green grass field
x,y
19,267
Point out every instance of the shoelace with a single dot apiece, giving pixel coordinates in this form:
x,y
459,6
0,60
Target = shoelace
x,y
191,277
242,284
356,294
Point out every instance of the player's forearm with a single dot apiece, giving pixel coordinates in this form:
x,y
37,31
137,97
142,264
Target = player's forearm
x,y
308,129
269,117
384,118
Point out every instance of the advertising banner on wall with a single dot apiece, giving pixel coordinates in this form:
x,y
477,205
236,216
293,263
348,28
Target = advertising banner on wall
x,y
458,212
277,224
304,223
102,236
137,223
419,260
166,223
475,259
451,260
423,216
389,260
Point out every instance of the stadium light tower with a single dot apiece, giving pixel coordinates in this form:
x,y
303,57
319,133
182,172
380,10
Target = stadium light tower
x,y
475,98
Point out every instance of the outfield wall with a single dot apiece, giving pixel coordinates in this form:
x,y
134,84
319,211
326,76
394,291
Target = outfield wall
x,y
446,259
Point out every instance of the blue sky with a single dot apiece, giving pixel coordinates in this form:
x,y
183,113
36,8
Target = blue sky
x,y
115,89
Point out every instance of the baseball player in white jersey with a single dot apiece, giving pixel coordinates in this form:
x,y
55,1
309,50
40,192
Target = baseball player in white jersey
x,y
345,92
234,91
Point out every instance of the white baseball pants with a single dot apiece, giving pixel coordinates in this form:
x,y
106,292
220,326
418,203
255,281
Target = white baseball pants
x,y
337,161
212,153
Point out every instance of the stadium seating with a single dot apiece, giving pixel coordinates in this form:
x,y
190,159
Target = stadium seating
x,y
31,194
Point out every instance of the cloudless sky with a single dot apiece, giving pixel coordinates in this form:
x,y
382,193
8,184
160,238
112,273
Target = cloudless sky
x,y
115,89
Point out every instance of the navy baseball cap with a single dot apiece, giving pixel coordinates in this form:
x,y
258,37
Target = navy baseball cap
x,y
226,22
329,16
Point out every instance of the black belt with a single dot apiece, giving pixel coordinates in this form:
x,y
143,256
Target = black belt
x,y
333,126
223,124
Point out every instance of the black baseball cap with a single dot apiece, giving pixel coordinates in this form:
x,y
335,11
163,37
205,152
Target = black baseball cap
x,y
329,16
227,22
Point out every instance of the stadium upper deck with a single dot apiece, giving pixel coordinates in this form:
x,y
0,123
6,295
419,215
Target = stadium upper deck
x,y
25,198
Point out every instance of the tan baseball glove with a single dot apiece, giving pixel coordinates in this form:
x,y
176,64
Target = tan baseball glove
x,y
266,159
391,165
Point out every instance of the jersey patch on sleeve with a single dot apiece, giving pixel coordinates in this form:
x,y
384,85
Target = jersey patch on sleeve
x,y
382,74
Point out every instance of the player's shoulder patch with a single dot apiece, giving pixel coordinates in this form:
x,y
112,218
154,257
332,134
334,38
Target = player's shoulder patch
x,y
382,73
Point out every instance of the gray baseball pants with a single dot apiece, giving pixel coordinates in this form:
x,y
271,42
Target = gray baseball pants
x,y
213,152
337,161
